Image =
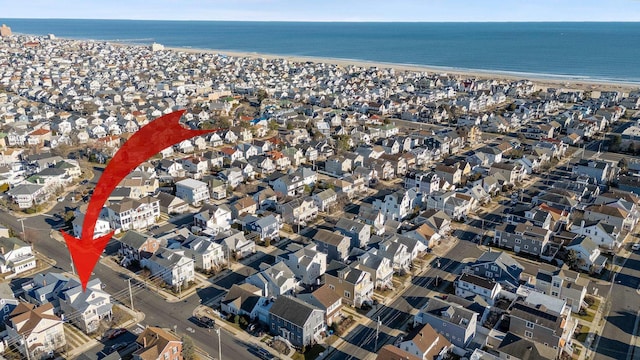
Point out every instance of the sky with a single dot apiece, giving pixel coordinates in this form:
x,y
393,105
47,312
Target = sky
x,y
329,10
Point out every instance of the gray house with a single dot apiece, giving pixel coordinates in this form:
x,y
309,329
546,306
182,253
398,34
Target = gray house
x,y
498,266
296,321
455,322
334,244
358,232
526,238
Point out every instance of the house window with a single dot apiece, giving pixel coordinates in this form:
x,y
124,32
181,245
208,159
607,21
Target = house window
x,y
489,274
526,247
332,287
528,334
518,241
494,268
554,293
347,294
530,325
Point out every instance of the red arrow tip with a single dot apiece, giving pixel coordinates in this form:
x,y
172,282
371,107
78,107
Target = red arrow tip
x,y
85,254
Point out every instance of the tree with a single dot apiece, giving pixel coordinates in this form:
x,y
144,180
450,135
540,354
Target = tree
x,y
188,349
262,94
622,164
273,125
572,259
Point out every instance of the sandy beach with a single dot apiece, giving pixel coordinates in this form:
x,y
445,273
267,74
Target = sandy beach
x,y
541,82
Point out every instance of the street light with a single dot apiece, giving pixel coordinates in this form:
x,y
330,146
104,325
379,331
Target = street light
x,y
24,235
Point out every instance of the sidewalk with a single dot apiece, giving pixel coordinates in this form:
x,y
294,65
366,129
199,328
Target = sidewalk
x,y
238,334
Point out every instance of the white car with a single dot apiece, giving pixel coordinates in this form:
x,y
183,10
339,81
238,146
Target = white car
x,y
635,247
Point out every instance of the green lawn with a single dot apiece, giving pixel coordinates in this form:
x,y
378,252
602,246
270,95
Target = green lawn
x,y
588,317
584,332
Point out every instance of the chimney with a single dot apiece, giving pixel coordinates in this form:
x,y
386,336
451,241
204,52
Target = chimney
x,y
144,341
2,250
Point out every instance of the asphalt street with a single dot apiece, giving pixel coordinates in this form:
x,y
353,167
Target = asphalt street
x,y
616,341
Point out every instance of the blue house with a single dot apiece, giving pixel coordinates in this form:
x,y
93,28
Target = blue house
x,y
266,227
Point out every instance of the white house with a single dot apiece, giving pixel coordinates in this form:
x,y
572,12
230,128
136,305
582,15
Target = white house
x,y
192,191
469,285
86,308
172,266
16,256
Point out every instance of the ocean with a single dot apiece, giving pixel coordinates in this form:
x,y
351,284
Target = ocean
x,y
596,51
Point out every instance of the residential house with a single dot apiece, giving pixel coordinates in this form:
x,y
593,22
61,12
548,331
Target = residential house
x,y
451,173
424,183
298,211
563,284
157,343
307,263
324,199
16,256
171,266
274,280
456,323
241,300
85,308
243,206
390,352
511,172
357,231
296,321
267,227
217,188
235,244
601,170
618,217
232,176
39,329
515,347
192,191
499,266
397,205
215,218
334,244
27,195
545,321
470,285
379,267
129,214
604,235
205,253
397,251
426,344
587,253
135,246
170,204
326,300
355,286
526,238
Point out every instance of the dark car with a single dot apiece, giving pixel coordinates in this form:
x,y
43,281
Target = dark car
x,y
116,332
118,346
83,182
206,322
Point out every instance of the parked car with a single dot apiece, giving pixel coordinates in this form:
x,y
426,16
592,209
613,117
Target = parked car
x,y
119,346
206,322
114,333
635,247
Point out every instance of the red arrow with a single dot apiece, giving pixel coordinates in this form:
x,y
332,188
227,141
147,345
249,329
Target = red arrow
x,y
152,138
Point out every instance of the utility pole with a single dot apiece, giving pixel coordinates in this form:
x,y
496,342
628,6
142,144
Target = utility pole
x,y
130,293
24,234
377,333
219,343
26,347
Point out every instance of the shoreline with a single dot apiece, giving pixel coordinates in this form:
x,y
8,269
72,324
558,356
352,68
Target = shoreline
x,y
542,81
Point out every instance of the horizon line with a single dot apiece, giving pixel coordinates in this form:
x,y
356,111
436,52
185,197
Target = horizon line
x,y
335,21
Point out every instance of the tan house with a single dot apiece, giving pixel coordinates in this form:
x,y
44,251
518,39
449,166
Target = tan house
x,y
355,286
42,331
158,344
